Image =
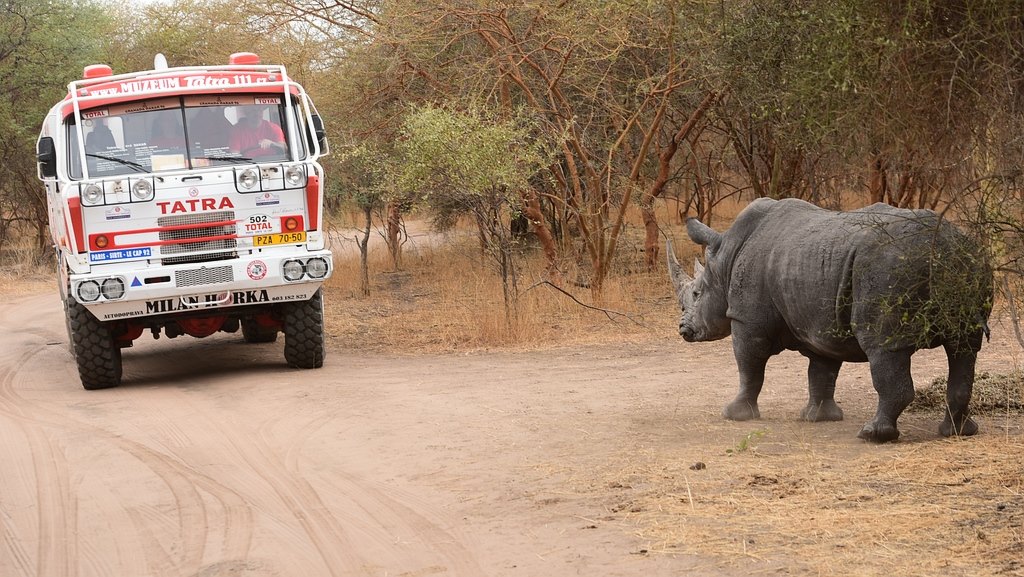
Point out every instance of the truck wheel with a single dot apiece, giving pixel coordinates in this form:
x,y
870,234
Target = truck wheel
x,y
97,355
304,332
254,332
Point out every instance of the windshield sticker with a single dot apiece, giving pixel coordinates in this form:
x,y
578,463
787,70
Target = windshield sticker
x,y
144,106
101,113
266,100
109,255
213,100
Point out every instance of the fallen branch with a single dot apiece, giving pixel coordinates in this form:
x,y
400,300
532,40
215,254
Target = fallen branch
x,y
608,313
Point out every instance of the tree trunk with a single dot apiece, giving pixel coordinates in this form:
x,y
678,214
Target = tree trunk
x,y
393,230
652,248
877,182
532,210
364,244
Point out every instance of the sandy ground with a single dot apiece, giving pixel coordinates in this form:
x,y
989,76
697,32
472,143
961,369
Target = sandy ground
x,y
215,459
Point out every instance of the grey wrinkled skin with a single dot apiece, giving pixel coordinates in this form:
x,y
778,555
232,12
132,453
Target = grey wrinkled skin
x,y
871,285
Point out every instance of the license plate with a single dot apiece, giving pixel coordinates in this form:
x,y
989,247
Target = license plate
x,y
281,238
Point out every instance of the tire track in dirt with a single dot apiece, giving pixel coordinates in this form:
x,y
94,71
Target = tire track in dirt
x,y
341,537
56,552
49,471
384,508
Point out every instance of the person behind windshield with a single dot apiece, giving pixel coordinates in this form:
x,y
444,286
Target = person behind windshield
x,y
167,133
100,138
254,136
211,130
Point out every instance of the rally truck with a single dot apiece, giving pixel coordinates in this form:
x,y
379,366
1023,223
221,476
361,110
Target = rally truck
x,y
186,201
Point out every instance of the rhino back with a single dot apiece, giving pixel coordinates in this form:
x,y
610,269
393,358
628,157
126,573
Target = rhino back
x,y
841,284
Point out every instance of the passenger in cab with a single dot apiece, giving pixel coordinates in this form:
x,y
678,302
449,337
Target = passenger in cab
x,y
166,133
100,138
210,131
255,136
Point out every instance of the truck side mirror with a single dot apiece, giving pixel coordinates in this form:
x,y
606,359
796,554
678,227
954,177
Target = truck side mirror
x,y
46,156
321,134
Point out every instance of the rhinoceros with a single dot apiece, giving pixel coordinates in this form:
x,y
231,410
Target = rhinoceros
x,y
874,284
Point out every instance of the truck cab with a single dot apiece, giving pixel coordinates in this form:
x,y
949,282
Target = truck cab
x,y
186,201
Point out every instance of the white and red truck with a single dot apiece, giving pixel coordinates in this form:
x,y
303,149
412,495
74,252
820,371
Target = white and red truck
x,y
187,201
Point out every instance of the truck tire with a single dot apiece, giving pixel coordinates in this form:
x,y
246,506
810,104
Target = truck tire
x,y
97,354
254,332
303,329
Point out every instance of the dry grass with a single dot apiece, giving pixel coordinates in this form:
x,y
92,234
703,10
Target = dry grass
x,y
939,508
22,273
992,394
447,297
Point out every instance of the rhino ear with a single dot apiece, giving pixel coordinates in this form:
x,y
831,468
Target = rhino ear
x,y
702,234
698,269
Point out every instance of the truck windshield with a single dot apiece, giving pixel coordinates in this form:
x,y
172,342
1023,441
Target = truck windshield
x,y
178,133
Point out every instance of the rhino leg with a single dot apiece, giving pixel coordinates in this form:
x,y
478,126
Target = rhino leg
x,y
821,387
890,374
751,365
958,394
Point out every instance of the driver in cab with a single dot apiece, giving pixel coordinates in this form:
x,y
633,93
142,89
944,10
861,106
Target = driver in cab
x,y
252,135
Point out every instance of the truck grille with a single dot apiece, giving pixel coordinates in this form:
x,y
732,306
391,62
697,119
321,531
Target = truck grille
x,y
196,242
203,276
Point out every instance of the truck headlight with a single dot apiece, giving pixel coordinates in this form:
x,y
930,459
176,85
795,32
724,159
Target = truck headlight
x,y
248,178
112,288
293,270
88,291
295,176
316,267
92,194
142,190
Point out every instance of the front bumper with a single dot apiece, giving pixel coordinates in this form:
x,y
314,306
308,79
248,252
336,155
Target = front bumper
x,y
164,289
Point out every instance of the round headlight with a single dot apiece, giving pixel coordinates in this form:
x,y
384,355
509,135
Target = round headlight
x,y
295,176
113,288
93,194
88,291
293,270
142,190
248,178
316,267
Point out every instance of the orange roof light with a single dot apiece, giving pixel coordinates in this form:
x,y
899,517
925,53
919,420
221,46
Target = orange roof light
x,y
96,71
244,58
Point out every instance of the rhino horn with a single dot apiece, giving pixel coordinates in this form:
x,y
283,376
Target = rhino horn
x,y
702,234
675,270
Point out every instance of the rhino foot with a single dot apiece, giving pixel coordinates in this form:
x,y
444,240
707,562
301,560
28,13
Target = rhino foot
x,y
816,412
741,410
967,428
879,432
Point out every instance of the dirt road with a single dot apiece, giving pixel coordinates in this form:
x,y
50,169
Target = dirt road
x,y
215,459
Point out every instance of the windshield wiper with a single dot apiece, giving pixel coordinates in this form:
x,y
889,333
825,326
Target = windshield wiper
x,y
238,159
128,163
